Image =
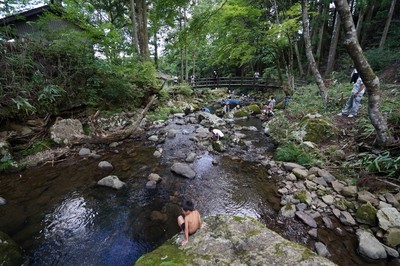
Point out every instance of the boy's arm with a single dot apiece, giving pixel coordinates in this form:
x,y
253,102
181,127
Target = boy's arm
x,y
184,242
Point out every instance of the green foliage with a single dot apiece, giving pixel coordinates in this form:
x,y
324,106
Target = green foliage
x,y
380,58
384,164
8,165
293,153
38,146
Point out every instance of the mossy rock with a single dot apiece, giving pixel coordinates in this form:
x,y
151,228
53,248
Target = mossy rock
x,y
241,113
318,129
10,253
344,205
366,214
254,109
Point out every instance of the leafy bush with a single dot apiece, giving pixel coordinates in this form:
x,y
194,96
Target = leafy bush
x,y
383,164
380,58
38,146
293,153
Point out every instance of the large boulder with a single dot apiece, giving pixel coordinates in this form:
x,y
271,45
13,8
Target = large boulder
x,y
317,129
111,181
10,253
65,130
183,169
228,240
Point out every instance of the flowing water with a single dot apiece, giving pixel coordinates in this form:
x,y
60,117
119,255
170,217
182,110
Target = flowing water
x,y
59,216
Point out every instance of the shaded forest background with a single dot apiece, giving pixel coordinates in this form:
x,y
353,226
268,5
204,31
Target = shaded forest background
x,y
109,56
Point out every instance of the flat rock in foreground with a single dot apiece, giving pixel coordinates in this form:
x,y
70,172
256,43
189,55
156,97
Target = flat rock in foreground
x,y
228,240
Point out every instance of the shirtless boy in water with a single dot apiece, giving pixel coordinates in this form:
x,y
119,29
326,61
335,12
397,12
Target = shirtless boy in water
x,y
190,221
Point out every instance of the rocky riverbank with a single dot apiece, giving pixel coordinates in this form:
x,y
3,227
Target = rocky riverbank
x,y
312,195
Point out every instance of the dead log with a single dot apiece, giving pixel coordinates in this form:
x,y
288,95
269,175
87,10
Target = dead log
x,y
119,135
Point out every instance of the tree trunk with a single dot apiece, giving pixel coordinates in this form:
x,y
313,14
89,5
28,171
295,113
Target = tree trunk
x,y
299,65
368,76
134,28
143,35
360,20
333,46
388,21
310,57
321,34
371,7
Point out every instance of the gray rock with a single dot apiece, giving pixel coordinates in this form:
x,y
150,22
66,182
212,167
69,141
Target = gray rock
x,y
230,240
154,177
183,169
366,196
157,154
111,181
300,173
2,201
349,191
337,186
105,165
290,166
301,207
329,178
369,246
191,157
328,199
151,184
307,219
153,138
391,251
391,199
288,210
346,218
392,237
322,249
320,181
5,151
65,130
327,222
314,234
388,218
84,152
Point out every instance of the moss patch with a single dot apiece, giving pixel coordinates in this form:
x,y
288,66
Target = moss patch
x,y
318,129
167,254
366,214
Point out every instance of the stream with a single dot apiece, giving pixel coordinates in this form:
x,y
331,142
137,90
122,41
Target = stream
x,y
59,216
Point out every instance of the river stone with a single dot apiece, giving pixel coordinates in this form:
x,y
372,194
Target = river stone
x,y
320,181
369,246
111,181
366,196
104,165
191,157
321,249
65,130
2,201
84,152
228,240
328,199
10,253
291,166
154,177
337,186
383,204
392,237
366,214
151,184
307,219
388,218
346,218
349,191
153,138
300,173
288,210
391,199
183,169
391,252
327,222
157,154
329,178
313,233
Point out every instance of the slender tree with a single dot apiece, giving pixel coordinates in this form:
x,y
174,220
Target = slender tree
x,y
333,45
310,57
368,76
387,25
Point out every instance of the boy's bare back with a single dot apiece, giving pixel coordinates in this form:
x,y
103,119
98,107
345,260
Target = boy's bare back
x,y
193,221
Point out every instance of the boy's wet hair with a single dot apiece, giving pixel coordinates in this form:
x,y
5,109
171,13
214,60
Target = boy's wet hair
x,y
187,205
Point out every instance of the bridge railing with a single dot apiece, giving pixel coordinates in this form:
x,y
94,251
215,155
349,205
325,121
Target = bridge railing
x,y
231,82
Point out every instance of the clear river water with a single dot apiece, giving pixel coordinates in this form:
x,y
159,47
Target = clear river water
x,y
59,216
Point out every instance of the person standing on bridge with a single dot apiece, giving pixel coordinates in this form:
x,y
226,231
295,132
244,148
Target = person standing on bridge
x,y
192,80
215,78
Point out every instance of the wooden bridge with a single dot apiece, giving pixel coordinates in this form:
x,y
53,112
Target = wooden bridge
x,y
233,82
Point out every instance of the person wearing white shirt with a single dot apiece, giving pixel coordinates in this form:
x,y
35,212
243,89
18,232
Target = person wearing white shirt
x,y
353,103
